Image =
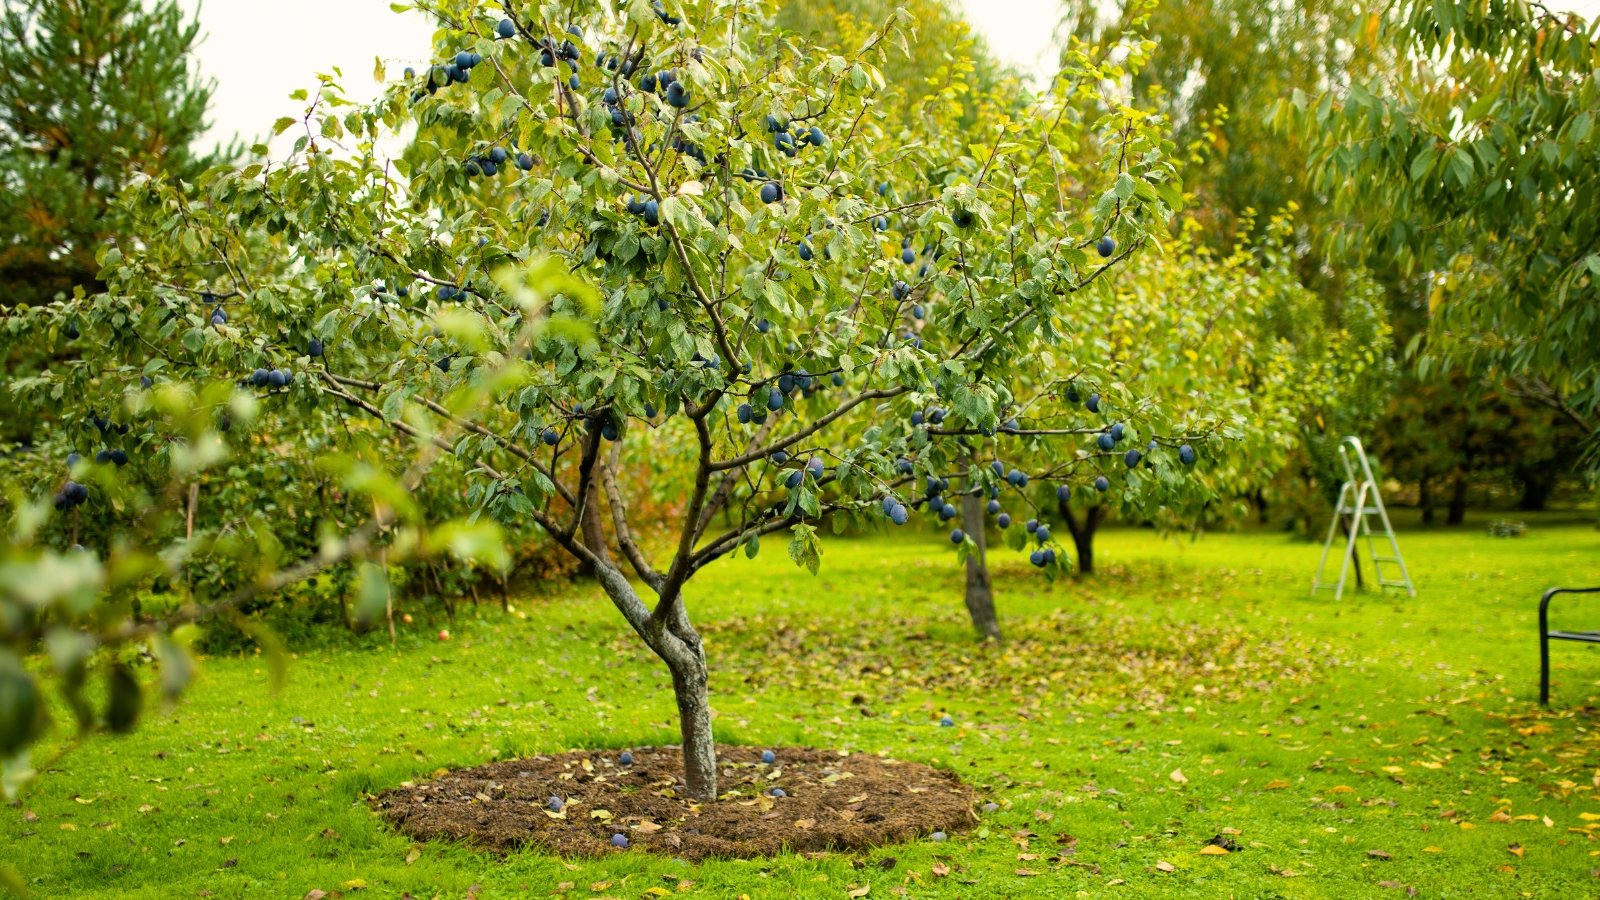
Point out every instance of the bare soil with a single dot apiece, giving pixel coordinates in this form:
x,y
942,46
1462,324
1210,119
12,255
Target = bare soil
x,y
833,801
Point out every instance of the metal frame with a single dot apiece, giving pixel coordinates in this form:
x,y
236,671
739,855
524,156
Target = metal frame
x,y
1358,500
1546,636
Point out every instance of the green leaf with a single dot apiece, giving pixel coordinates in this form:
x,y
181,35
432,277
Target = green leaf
x,y
372,594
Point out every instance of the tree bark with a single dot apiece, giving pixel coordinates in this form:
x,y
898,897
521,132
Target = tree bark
x,y
1458,501
594,530
1425,498
1082,531
980,594
670,635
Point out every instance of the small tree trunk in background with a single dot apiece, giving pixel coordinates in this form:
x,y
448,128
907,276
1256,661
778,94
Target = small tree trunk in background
x,y
1355,555
1458,501
680,647
980,595
1538,482
1260,499
1082,531
1425,498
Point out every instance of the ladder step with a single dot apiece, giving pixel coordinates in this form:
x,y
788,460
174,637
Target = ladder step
x,y
1365,510
1387,559
1404,584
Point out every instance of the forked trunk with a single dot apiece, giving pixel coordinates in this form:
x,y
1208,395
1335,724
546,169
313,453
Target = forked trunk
x,y
1082,531
674,639
980,595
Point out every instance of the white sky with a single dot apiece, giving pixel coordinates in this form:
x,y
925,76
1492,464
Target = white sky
x,y
259,52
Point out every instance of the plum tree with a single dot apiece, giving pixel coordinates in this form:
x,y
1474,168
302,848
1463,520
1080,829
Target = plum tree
x,y
554,372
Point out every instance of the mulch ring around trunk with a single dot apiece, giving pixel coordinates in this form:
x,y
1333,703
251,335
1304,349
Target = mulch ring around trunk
x,y
824,800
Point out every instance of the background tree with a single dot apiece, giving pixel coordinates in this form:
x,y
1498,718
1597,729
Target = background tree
x,y
95,92
1482,150
744,213
1217,70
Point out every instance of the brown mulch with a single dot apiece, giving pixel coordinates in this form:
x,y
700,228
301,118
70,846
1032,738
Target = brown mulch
x,y
834,802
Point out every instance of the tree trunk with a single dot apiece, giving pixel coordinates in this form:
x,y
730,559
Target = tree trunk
x,y
1458,501
980,594
1082,531
1260,500
1425,498
1538,483
678,645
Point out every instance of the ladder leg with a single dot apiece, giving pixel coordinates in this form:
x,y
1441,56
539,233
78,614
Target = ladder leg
x,y
1350,543
1394,546
1327,544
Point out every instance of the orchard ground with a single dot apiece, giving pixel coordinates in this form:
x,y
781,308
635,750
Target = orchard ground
x,y
1191,696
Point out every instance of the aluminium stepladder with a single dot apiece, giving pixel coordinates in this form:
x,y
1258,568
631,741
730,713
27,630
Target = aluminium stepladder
x,y
1359,501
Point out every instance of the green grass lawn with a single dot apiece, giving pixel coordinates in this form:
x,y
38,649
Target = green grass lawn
x,y
1191,690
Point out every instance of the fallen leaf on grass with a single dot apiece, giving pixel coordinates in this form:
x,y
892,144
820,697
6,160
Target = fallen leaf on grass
x,y
1213,850
1283,873
1432,849
354,884
1178,777
1516,850
861,891
1026,873
940,870
1277,784
1342,789
315,894
414,855
1164,866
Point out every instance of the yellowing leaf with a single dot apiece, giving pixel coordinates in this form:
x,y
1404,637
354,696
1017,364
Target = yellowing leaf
x,y
1277,784
1213,850
1178,777
354,884
1164,866
860,891
1342,789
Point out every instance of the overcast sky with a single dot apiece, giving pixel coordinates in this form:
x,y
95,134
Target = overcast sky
x,y
260,52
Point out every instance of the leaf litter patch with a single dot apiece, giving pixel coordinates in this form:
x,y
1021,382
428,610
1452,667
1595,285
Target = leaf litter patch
x,y
577,803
